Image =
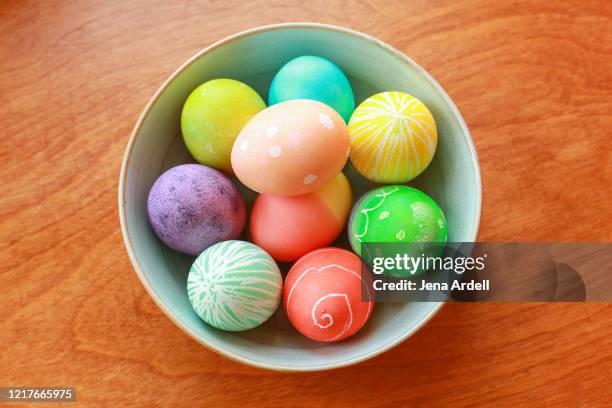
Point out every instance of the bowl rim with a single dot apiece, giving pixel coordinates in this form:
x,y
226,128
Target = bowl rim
x,y
226,40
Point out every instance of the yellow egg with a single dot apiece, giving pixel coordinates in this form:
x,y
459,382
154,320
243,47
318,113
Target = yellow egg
x,y
393,137
213,115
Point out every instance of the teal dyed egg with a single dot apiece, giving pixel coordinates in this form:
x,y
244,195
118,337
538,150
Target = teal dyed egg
x,y
310,77
234,286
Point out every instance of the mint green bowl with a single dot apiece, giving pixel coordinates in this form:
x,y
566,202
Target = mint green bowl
x,y
253,56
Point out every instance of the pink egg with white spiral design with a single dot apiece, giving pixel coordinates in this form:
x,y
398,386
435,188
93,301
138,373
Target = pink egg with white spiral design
x,y
328,294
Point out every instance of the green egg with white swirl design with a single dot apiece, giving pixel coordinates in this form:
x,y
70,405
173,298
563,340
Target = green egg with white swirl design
x,y
234,286
397,214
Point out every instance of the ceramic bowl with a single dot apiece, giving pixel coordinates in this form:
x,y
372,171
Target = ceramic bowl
x,y
254,56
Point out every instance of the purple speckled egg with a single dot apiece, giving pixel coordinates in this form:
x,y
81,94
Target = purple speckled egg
x,y
192,207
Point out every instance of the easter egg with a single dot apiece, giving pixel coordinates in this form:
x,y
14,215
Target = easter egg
x,y
289,227
192,207
393,137
212,117
397,214
327,295
234,286
291,148
310,77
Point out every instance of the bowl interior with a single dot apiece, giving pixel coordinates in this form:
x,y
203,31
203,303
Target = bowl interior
x,y
452,180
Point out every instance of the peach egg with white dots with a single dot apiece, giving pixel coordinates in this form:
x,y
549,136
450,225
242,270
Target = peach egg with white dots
x,y
291,148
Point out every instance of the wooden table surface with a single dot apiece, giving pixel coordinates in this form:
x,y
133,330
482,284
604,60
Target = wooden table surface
x,y
534,83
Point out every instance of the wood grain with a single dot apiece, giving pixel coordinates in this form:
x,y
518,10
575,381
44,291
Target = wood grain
x,y
533,81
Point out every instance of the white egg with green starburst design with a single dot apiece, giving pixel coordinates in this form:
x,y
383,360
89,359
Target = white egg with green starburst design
x,y
234,286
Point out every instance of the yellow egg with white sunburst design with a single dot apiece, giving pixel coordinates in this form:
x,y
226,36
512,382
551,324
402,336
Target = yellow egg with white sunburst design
x,y
393,137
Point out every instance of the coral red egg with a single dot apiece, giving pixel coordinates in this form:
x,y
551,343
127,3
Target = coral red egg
x,y
289,227
327,296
